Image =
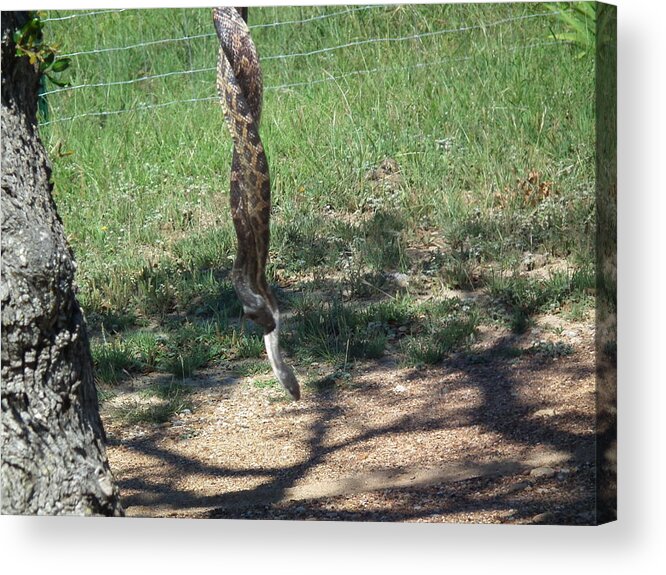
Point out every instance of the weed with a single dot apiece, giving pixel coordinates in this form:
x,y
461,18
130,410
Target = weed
x,y
579,309
145,346
580,18
339,378
184,364
446,326
244,346
383,244
510,352
458,270
524,296
551,349
171,390
266,383
438,341
104,395
157,404
251,367
337,331
112,322
113,361
206,250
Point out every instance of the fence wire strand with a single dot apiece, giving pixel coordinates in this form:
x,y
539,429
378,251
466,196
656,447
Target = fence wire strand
x,y
278,57
269,58
212,34
418,36
328,78
98,12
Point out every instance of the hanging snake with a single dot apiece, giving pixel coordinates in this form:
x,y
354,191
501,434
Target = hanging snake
x,y
240,87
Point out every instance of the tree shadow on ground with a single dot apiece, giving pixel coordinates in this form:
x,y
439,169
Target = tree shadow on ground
x,y
501,411
507,493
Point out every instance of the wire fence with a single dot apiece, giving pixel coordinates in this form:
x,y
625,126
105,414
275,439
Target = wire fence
x,y
83,15
417,35
207,35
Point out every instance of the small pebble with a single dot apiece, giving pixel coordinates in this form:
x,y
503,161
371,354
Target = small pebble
x,y
517,487
542,472
546,517
544,413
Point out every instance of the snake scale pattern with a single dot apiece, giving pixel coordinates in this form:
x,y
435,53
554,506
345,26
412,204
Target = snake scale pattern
x,y
239,83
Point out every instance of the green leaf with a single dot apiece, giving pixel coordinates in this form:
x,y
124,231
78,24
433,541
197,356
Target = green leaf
x,y
61,65
35,24
566,37
579,18
49,58
587,9
57,82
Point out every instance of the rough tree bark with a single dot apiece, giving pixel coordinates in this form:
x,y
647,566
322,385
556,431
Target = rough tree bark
x,y
53,455
606,334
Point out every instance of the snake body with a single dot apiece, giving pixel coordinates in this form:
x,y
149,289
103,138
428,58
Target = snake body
x,y
240,87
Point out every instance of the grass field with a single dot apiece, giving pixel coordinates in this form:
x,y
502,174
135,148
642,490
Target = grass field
x,y
403,167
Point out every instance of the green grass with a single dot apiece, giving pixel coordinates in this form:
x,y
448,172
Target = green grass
x,y
447,326
490,131
339,379
113,361
251,368
180,349
551,349
340,332
167,400
525,296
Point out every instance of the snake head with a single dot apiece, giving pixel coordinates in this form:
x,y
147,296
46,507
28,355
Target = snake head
x,y
282,370
290,383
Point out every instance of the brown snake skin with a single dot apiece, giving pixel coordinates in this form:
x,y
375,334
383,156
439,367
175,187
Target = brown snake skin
x,y
239,84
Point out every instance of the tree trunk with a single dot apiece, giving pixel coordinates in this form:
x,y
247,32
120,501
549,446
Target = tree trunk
x,y
606,335
53,455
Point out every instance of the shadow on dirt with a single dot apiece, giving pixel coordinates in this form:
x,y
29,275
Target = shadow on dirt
x,y
566,496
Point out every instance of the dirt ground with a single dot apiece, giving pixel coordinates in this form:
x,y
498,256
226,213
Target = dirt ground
x,y
494,436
